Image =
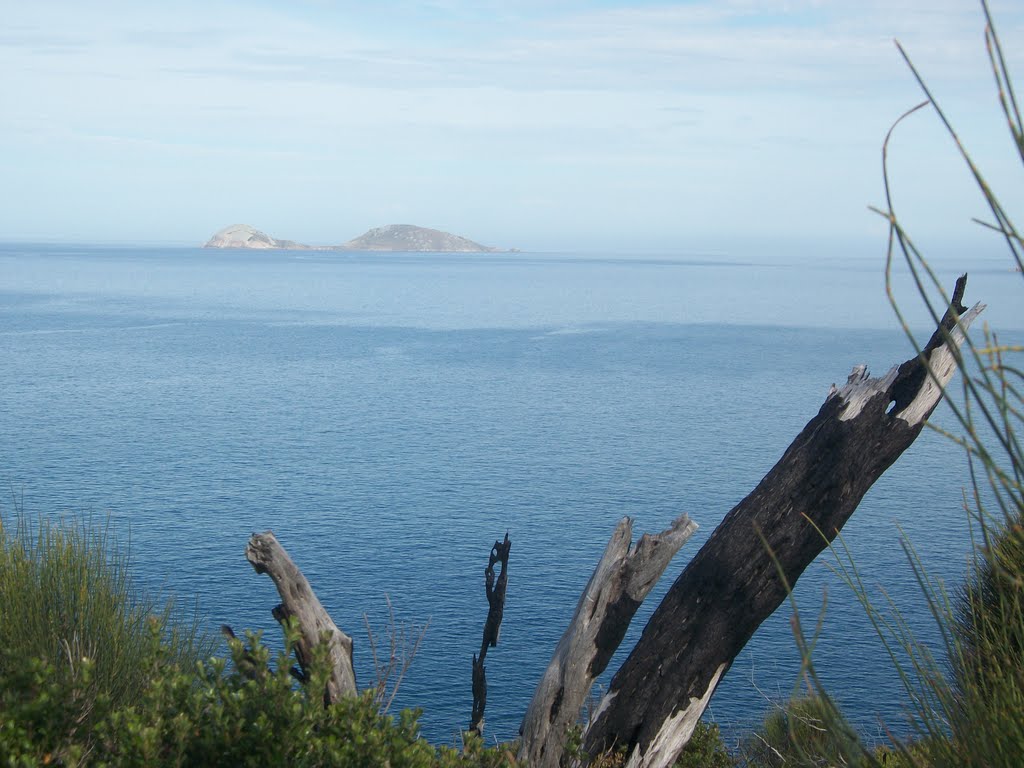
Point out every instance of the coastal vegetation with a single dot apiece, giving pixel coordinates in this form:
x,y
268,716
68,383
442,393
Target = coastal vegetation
x,y
94,673
66,594
967,695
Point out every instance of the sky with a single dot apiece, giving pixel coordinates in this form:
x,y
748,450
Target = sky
x,y
536,124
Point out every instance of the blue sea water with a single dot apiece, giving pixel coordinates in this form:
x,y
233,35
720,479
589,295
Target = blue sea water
x,y
390,415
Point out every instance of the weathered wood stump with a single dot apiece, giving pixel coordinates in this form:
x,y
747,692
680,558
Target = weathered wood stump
x,y
619,584
733,583
299,602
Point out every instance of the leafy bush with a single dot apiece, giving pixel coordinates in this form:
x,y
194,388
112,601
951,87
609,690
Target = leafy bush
x,y
46,715
91,673
217,713
249,714
705,749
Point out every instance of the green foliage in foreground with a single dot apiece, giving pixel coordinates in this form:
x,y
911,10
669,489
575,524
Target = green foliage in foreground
x,y
219,715
705,749
966,710
65,595
93,674
973,715
807,732
988,682
90,674
211,715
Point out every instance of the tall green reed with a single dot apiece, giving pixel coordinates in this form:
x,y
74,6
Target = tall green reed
x,y
66,596
966,697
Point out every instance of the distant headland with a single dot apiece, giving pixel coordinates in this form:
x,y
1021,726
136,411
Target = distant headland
x,y
393,237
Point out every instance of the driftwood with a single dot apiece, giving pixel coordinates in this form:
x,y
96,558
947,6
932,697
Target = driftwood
x,y
299,602
492,628
615,591
733,583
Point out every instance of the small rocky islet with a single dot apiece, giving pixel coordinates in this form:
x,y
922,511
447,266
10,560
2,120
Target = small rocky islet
x,y
393,237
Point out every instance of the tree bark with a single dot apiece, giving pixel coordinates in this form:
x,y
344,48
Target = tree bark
x,y
298,601
618,586
733,583
492,628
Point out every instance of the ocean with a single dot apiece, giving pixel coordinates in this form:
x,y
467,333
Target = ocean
x,y
389,416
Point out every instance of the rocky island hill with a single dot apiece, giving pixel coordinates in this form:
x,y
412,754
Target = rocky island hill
x,y
393,237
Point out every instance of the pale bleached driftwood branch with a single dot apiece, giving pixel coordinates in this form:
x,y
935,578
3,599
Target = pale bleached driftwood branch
x,y
299,602
623,578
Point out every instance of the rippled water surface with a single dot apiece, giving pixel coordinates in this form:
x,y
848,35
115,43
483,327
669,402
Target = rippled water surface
x,y
389,416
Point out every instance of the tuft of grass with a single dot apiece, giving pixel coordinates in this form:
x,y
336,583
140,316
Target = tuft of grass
x,y
66,599
984,697
807,732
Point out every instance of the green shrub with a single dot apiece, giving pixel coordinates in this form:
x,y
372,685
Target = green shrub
x,y
987,687
913,755
990,615
45,717
246,713
218,713
807,732
65,597
705,749
91,674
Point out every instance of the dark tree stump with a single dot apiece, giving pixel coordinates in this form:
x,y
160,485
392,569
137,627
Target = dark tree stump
x,y
492,628
733,583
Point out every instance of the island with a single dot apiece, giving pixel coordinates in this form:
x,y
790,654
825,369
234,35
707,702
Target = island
x,y
393,237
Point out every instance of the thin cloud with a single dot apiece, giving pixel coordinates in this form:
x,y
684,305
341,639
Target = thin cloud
x,y
733,45
698,101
